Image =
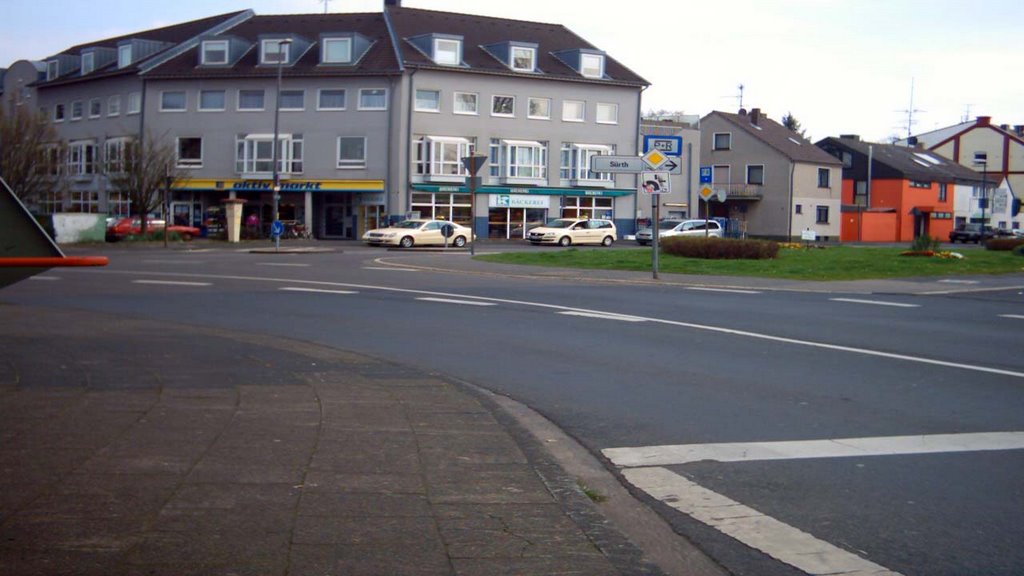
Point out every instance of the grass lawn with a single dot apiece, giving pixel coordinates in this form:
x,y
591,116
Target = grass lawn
x,y
833,263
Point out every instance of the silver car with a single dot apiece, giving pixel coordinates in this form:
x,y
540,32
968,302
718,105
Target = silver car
x,y
668,228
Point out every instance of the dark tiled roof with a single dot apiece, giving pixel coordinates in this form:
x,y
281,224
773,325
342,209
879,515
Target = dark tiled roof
x,y
890,160
478,31
789,143
379,59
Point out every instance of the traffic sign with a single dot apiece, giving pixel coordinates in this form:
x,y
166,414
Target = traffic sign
x,y
706,192
654,159
673,166
655,183
276,228
620,164
667,145
705,174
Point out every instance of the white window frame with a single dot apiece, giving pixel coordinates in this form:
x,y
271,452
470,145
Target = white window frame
x,y
527,156
607,106
438,50
184,102
292,109
59,112
247,154
88,63
134,103
81,158
327,42
476,104
114,105
416,100
113,155
124,55
224,105
582,111
238,102
494,102
587,69
441,156
285,51
714,141
384,91
95,108
77,110
746,179
533,58
578,166
52,69
319,98
349,164
214,46
188,162
529,108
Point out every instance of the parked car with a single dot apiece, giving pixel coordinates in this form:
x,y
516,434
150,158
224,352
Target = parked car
x,y
973,233
668,228
133,226
409,233
569,231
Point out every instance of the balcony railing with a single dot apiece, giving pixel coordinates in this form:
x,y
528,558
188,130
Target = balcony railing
x,y
742,191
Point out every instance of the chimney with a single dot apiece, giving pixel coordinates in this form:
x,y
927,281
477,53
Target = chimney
x,y
854,137
984,121
912,142
743,112
755,115
393,3
1018,129
1004,127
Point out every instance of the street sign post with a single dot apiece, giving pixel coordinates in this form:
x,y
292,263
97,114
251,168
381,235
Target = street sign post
x,y
654,159
473,165
667,145
617,164
705,174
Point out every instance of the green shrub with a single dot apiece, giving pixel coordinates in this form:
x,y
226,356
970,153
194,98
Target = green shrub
x,y
1019,250
720,248
925,243
1004,243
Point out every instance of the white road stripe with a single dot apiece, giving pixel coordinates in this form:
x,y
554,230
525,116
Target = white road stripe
x,y
316,290
44,277
171,283
604,316
670,455
729,290
875,302
453,301
284,264
776,539
1016,316
959,281
390,269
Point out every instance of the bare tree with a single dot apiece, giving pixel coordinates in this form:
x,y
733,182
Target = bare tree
x,y
143,169
27,151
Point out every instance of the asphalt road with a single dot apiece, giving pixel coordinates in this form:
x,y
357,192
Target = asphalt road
x,y
626,366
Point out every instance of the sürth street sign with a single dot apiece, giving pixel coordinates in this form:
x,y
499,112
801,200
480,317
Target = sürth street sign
x,y
620,164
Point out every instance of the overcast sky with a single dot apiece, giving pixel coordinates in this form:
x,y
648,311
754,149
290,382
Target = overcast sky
x,y
840,66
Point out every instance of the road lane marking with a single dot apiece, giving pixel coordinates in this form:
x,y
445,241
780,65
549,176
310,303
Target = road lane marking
x,y
947,281
316,290
604,316
284,264
44,277
670,455
689,325
1016,316
454,301
729,290
171,283
875,302
776,539
391,269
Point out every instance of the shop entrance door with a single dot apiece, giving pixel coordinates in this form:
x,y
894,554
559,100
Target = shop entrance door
x,y
186,213
370,217
509,223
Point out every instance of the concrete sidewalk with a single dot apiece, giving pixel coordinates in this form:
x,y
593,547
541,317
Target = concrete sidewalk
x,y
130,447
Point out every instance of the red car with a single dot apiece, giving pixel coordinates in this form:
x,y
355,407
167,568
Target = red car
x,y
133,226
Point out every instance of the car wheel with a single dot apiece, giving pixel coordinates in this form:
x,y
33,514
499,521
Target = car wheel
x,y
607,241
406,242
565,241
460,242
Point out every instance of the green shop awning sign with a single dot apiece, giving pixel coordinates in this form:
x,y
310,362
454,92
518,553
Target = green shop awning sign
x,y
604,192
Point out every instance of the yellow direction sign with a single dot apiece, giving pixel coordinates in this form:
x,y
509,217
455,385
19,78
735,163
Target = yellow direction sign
x,y
655,159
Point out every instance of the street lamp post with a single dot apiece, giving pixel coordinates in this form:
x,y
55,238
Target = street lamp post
x,y
981,158
276,178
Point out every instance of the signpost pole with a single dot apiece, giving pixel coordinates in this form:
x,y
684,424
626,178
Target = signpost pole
x,y
655,232
473,164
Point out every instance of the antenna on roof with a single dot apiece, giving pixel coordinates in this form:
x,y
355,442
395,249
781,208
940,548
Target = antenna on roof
x,y
325,3
740,97
967,114
911,111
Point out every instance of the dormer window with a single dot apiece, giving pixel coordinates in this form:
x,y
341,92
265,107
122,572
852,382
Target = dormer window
x,y
336,51
52,69
447,51
215,52
88,63
276,51
124,56
592,65
524,59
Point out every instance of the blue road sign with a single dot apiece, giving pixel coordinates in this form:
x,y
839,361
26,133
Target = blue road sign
x,y
667,145
705,174
276,228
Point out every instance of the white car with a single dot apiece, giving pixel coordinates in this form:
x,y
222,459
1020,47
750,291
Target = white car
x,y
669,228
569,231
409,233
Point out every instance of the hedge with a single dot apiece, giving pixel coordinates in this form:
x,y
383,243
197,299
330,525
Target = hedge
x,y
720,248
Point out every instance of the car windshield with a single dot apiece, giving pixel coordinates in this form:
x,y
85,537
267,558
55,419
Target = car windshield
x,y
668,224
409,224
561,223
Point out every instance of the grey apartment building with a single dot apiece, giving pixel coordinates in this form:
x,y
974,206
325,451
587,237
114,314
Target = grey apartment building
x,y
374,113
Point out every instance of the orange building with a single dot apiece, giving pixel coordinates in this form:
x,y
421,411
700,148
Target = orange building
x,y
894,193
